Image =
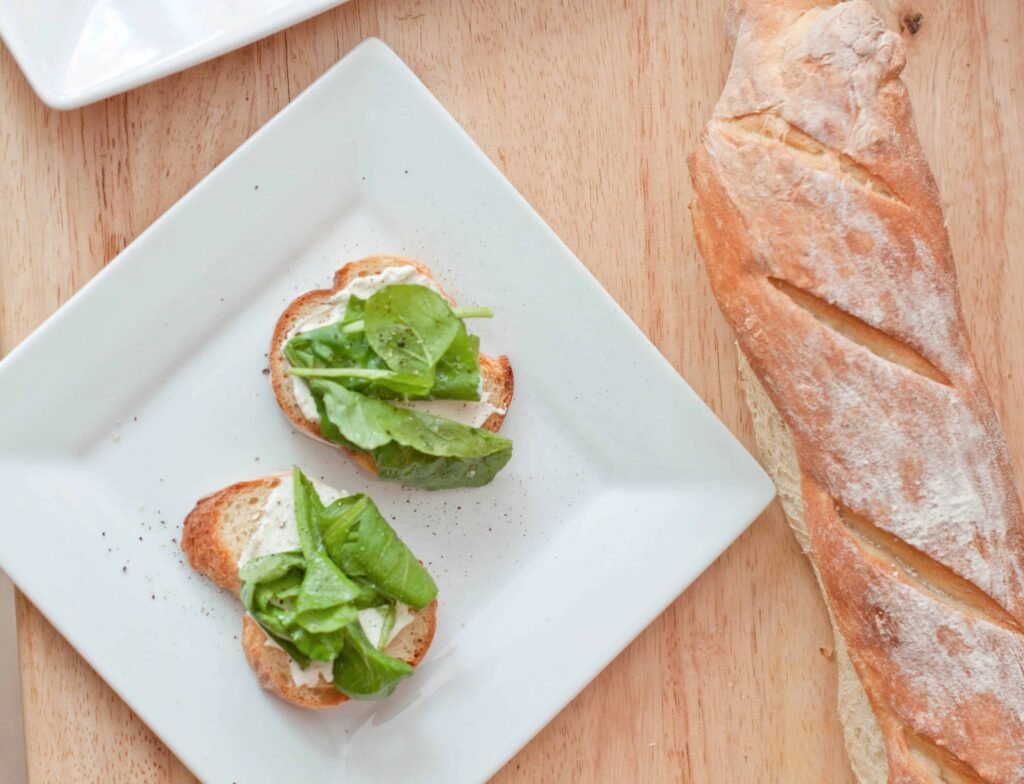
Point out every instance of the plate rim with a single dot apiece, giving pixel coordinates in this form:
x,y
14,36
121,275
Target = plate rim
x,y
57,97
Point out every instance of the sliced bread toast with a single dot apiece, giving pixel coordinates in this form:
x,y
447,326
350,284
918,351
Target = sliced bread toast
x,y
496,373
214,536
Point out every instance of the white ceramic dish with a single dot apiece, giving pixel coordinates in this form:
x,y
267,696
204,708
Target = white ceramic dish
x,y
74,52
146,391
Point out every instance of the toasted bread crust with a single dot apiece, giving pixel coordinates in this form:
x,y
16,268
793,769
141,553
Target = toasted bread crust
x,y
501,382
211,540
208,552
496,372
273,669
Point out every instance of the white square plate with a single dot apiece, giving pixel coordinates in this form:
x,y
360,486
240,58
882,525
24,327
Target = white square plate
x,y
74,52
147,391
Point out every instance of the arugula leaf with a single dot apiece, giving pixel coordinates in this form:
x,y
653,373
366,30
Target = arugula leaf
x,y
346,418
270,589
401,384
269,568
369,596
331,347
364,673
307,505
303,598
323,603
308,600
365,546
409,327
415,469
413,446
335,351
457,375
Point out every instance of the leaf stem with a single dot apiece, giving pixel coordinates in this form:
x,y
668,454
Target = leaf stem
x,y
473,312
341,373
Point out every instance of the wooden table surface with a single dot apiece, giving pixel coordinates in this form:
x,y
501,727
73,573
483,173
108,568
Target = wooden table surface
x,y
589,108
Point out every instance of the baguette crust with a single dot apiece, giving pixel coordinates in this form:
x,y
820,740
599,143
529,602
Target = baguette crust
x,y
213,537
823,236
498,380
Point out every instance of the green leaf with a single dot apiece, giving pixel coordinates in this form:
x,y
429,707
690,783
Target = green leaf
x,y
364,673
324,586
409,327
307,503
461,313
270,567
366,547
416,469
402,383
272,605
308,602
329,346
412,446
345,514
370,596
357,419
335,351
327,619
457,375
303,598
319,646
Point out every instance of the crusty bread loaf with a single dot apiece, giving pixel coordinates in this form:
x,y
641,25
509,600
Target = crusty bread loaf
x,y
821,229
775,444
214,536
496,374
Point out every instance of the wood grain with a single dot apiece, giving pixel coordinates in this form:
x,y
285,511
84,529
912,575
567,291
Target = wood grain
x,y
589,107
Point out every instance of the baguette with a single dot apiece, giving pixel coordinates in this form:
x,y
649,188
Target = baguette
x,y
214,536
822,233
496,373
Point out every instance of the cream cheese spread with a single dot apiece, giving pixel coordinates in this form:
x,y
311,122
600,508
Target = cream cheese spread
x,y
277,532
468,412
